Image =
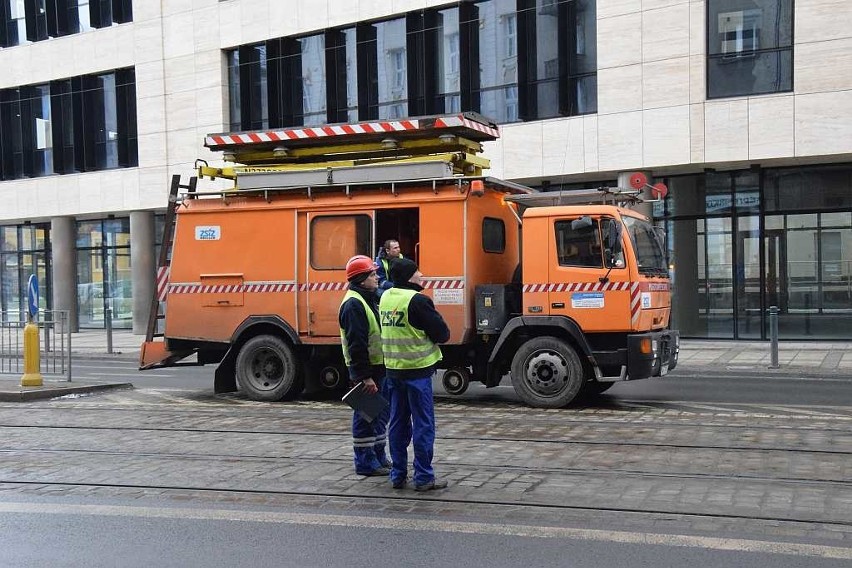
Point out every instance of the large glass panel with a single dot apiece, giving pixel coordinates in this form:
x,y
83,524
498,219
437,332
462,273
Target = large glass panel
x,y
234,102
760,73
699,194
255,71
836,270
42,135
750,47
90,288
498,60
546,73
797,189
748,278
106,121
12,157
391,69
83,17
583,57
449,60
313,80
701,266
16,25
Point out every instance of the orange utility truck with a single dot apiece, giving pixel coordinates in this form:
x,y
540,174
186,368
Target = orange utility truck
x,y
567,292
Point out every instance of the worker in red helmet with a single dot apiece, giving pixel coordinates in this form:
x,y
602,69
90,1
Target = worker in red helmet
x,y
360,337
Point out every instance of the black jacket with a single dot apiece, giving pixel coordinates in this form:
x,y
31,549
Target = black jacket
x,y
422,315
353,322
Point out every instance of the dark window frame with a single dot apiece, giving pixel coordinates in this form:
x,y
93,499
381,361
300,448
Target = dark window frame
x,y
486,232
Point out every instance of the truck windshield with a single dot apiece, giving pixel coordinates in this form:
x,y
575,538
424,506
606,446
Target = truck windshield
x,y
649,249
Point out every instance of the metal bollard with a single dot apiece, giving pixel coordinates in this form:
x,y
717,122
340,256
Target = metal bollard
x,y
108,322
773,336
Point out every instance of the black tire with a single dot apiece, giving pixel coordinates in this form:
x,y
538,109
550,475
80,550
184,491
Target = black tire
x,y
267,369
331,376
456,380
547,373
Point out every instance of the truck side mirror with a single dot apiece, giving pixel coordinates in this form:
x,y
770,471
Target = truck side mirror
x,y
612,241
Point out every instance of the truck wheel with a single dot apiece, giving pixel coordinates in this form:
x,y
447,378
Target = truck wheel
x,y
456,380
267,369
547,373
332,377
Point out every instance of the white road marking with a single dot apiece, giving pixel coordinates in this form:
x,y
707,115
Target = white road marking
x,y
527,531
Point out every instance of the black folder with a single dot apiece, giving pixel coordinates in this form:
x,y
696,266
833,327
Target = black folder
x,y
369,406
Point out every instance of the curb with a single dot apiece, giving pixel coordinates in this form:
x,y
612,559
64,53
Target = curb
x,y
22,394
722,371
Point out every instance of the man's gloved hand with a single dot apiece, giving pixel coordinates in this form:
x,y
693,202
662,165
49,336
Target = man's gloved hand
x,y
370,386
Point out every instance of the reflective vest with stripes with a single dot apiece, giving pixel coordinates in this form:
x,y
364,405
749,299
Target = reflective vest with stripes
x,y
405,347
374,341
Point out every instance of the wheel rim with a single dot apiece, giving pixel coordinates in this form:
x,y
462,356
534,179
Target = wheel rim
x,y
546,373
329,377
268,370
452,381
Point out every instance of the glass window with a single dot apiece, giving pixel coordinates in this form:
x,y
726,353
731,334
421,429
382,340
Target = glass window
x,y
16,23
336,239
313,80
578,243
103,272
83,18
234,101
750,47
342,75
650,254
42,137
493,235
23,252
391,72
497,95
796,189
449,61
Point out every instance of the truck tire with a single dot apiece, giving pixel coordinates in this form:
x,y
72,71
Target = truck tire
x,y
267,369
456,380
547,373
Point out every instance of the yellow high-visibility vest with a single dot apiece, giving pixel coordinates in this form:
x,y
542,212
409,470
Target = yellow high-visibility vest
x,y
374,341
404,347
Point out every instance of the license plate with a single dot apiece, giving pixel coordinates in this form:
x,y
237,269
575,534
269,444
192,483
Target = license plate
x,y
664,370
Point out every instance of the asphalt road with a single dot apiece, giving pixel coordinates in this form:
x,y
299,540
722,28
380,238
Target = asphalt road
x,y
722,387
131,536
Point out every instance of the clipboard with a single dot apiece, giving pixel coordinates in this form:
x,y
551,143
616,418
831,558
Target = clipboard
x,y
369,406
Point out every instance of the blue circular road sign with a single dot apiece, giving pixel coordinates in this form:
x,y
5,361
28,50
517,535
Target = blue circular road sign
x,y
32,295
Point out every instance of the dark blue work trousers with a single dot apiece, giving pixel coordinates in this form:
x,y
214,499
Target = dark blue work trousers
x,y
411,411
370,438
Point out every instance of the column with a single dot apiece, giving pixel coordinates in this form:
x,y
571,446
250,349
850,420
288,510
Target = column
x,y
143,267
63,241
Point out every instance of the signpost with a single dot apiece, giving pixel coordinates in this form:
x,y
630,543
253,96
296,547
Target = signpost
x,y
32,366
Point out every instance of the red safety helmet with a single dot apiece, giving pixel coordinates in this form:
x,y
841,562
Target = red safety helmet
x,y
359,264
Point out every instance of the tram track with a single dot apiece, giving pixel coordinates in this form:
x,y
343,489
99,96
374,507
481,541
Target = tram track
x,y
516,469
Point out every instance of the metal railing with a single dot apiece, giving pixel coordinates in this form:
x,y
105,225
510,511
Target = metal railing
x,y
54,343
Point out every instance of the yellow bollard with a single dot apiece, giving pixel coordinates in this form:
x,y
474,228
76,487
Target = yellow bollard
x,y
32,373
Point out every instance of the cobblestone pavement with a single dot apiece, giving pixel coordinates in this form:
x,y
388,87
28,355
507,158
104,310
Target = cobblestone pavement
x,y
780,472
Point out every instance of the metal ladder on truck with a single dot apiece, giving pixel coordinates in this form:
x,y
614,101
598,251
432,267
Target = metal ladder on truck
x,y
154,352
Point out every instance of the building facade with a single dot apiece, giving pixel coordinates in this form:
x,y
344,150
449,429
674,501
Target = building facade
x,y
743,107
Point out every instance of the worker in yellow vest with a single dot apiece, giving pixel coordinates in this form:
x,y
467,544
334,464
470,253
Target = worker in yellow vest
x,y
388,254
360,338
411,330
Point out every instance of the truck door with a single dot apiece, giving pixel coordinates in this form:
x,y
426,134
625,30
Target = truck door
x,y
589,280
332,239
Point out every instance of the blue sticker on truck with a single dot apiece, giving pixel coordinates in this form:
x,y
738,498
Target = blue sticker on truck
x,y
587,300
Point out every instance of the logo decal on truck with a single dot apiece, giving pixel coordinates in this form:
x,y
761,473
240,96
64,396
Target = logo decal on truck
x,y
208,233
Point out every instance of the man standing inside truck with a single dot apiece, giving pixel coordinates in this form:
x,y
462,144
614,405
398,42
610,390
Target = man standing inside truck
x,y
360,338
389,252
411,330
